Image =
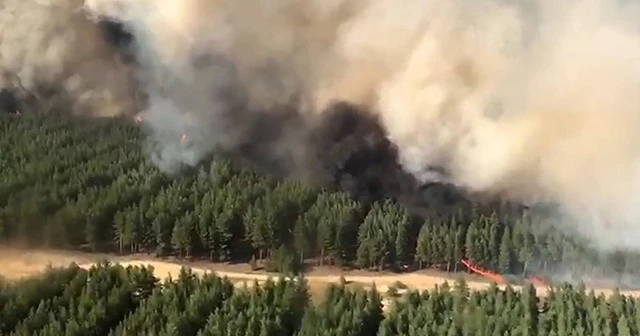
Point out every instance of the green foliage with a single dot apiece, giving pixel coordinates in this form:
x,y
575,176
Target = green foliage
x,y
70,183
399,285
284,260
112,300
344,312
392,292
16,301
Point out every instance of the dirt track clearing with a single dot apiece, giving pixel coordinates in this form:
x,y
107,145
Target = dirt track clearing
x,y
16,263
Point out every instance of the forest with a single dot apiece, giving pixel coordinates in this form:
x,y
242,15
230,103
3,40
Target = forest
x,y
74,183
113,300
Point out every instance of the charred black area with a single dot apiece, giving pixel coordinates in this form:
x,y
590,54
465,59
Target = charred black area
x,y
8,101
119,37
270,140
42,101
356,156
13,101
346,149
115,33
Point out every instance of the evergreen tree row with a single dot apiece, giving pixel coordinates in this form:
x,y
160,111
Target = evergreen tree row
x,y
113,300
75,183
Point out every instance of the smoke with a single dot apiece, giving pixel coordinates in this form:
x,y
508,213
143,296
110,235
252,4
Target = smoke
x,y
50,49
532,100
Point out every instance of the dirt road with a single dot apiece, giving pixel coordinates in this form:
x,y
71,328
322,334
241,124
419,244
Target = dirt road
x,y
17,263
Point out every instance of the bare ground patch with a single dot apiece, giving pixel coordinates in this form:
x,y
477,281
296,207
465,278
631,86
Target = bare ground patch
x,y
20,263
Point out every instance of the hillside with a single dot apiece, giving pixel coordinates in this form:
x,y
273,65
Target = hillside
x,y
86,184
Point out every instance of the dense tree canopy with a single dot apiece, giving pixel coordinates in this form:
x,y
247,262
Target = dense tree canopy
x,y
113,300
86,183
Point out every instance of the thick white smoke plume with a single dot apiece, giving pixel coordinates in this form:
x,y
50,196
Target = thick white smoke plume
x,y
532,99
48,46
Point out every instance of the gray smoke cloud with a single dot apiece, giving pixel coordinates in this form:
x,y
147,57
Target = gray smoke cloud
x,y
534,100
51,46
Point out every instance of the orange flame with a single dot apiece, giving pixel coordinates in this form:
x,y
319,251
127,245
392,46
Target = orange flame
x,y
493,276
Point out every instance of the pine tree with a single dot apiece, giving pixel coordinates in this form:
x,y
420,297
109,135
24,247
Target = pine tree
x,y
506,248
422,248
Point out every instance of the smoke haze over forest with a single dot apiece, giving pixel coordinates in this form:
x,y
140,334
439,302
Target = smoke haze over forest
x,y
529,100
